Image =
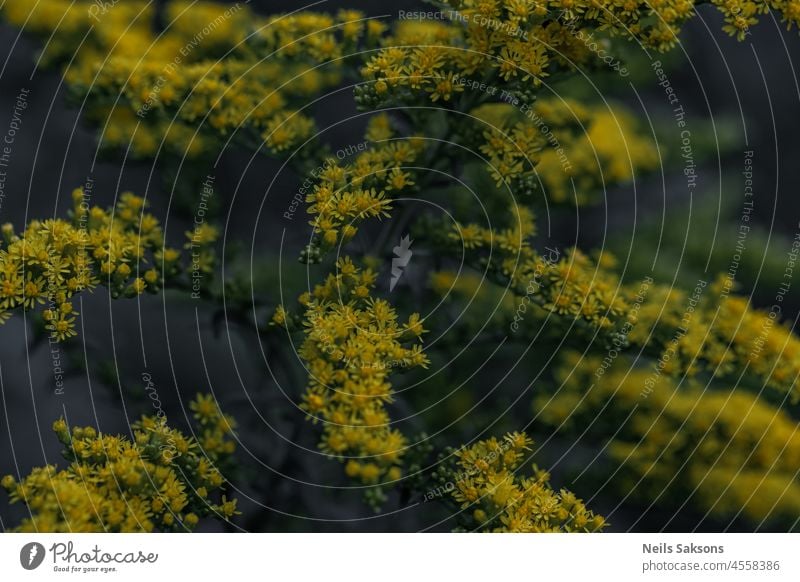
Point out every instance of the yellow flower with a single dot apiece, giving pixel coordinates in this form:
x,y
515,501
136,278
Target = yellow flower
x,y
61,258
112,484
728,451
351,349
487,479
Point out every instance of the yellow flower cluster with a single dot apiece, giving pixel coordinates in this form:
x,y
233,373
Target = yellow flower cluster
x,y
351,191
316,36
220,72
121,129
569,284
437,62
568,150
516,44
53,260
211,98
352,345
707,330
215,70
728,449
161,481
714,331
486,479
655,23
88,33
267,61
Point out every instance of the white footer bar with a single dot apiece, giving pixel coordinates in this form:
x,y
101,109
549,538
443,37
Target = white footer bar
x,y
400,557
